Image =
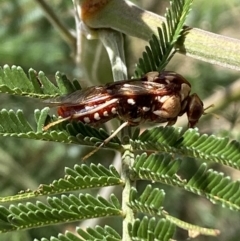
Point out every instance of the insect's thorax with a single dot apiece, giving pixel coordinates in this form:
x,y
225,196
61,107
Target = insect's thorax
x,y
149,108
163,105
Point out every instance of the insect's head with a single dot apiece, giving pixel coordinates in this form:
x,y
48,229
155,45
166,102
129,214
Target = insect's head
x,y
194,109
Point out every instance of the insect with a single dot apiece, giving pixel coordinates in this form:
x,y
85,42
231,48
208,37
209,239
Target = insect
x,y
156,97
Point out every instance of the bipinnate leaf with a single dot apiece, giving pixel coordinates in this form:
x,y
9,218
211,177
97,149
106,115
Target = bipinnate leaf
x,y
151,202
157,162
57,210
78,178
191,144
161,47
92,234
209,183
217,187
158,168
151,229
14,81
16,125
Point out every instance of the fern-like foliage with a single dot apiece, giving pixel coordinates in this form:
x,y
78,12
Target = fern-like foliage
x,y
191,144
38,86
151,202
91,234
164,167
14,81
78,178
160,49
151,229
157,167
16,125
217,187
57,210
161,151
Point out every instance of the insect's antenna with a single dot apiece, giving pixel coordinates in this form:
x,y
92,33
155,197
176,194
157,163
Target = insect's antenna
x,y
213,114
210,106
55,123
106,140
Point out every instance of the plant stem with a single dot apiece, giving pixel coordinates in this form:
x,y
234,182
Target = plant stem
x,y
128,158
211,48
113,42
127,18
55,21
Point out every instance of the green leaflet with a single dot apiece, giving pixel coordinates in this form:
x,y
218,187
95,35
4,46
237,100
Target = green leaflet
x,y
79,178
57,210
190,143
14,81
161,48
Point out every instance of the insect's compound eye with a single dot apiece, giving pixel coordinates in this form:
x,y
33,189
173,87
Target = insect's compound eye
x,y
194,110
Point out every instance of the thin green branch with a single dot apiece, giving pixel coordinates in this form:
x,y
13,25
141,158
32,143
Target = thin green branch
x,y
193,230
211,48
55,21
113,42
129,19
128,158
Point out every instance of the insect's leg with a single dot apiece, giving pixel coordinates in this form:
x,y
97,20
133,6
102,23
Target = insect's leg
x,y
56,122
106,140
171,122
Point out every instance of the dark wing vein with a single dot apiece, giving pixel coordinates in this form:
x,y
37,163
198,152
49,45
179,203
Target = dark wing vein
x,y
139,87
100,94
80,97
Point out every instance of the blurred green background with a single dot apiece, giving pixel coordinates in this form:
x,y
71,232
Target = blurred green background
x,y
27,39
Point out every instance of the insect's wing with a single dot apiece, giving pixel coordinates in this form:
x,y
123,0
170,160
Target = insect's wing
x,y
151,84
80,97
138,87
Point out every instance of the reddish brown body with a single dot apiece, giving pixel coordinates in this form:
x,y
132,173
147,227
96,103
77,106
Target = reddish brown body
x,y
156,97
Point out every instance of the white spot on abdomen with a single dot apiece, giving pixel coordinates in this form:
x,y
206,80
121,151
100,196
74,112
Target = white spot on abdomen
x,y
96,116
105,113
131,102
145,108
114,110
86,120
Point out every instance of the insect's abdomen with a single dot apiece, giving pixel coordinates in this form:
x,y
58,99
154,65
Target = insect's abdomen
x,y
89,114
